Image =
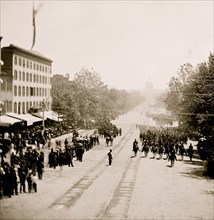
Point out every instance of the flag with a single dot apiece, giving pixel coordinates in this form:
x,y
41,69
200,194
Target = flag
x,y
34,28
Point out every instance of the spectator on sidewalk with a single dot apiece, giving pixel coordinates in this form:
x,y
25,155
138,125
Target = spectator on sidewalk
x,y
22,178
29,180
14,177
34,182
182,151
190,151
69,157
40,165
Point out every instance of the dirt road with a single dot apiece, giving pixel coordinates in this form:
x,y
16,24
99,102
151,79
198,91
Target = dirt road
x,y
132,188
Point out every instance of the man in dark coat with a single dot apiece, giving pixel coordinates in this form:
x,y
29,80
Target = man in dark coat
x,y
22,177
135,147
110,157
190,152
69,157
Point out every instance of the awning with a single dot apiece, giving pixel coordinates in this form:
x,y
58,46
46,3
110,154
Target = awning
x,y
52,115
30,119
7,121
49,114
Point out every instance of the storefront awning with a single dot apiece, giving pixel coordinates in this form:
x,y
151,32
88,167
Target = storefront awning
x,y
49,114
7,121
30,119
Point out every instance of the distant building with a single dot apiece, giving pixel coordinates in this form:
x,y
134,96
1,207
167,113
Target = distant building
x,y
57,78
148,91
25,78
149,85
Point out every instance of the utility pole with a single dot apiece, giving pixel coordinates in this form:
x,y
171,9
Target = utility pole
x,y
43,114
0,54
1,81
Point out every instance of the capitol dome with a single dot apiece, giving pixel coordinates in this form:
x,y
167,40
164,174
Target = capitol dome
x,y
149,85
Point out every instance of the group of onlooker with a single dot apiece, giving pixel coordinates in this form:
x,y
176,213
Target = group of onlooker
x,y
22,169
63,155
25,161
26,165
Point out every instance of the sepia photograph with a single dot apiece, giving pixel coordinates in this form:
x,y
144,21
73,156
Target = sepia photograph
x,y
106,109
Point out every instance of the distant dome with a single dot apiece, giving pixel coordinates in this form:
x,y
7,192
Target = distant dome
x,y
149,85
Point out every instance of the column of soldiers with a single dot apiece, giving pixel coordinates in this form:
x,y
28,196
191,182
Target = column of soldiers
x,y
164,141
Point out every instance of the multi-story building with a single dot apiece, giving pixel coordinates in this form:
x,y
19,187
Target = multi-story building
x,y
25,80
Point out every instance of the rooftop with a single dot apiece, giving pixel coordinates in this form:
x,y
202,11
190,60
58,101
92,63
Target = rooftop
x,y
30,52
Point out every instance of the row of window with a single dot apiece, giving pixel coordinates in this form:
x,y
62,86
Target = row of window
x,y
29,77
20,107
5,86
24,107
7,107
28,64
30,91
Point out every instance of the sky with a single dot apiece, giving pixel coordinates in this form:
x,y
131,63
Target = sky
x,y
126,42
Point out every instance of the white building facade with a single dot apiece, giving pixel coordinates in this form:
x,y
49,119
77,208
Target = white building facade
x,y
26,84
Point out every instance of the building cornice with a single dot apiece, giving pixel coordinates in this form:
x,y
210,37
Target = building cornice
x,y
29,52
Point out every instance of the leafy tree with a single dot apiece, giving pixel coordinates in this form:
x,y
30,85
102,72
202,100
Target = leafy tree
x,y
86,101
176,87
197,106
63,95
88,89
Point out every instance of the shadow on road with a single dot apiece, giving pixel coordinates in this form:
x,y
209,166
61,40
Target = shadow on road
x,y
196,173
194,162
209,192
169,166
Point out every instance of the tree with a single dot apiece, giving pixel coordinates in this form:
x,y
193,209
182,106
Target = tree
x,y
89,91
176,88
63,95
86,101
195,107
198,99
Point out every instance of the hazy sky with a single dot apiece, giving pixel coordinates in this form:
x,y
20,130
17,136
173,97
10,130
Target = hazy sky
x,y
126,42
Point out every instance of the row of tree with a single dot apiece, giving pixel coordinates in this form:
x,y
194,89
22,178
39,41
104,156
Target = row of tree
x,y
87,102
191,99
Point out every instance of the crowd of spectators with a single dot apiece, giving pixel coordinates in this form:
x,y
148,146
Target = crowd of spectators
x,y
27,164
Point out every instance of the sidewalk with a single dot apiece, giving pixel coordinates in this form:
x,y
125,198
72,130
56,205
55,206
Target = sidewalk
x,y
54,184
